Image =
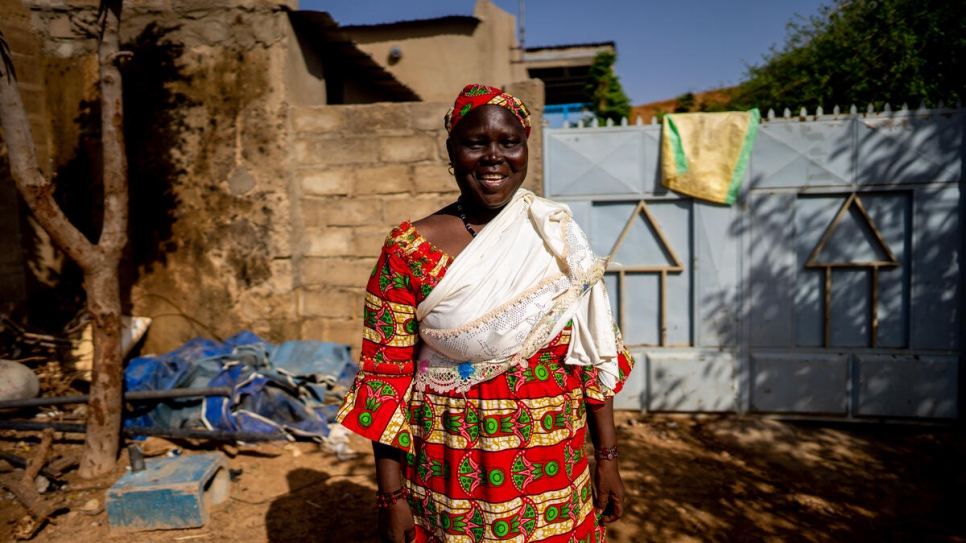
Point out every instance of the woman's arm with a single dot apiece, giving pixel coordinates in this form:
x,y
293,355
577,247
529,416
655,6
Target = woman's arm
x,y
396,523
609,495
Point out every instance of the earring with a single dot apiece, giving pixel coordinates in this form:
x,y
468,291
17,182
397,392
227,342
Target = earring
x,y
450,169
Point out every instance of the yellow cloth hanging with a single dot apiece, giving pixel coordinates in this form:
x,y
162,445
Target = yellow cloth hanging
x,y
705,155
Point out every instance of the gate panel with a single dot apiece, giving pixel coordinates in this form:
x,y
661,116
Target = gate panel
x,y
773,265
832,288
690,380
909,147
938,244
800,383
804,154
906,386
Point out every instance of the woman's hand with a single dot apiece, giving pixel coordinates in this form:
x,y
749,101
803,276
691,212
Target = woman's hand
x,y
396,523
608,490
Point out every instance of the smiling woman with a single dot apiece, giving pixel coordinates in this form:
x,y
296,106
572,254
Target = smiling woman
x,y
489,351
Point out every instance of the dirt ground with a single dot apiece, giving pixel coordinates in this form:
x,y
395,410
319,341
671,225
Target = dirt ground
x,y
688,479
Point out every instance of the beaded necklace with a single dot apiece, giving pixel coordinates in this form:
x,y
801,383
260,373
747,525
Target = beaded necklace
x,y
466,223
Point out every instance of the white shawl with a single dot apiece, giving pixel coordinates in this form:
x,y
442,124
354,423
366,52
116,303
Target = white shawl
x,y
511,291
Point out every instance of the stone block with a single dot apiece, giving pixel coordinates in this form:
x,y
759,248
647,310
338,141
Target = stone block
x,y
319,119
22,41
416,208
305,152
345,331
379,118
334,182
60,27
393,179
344,151
433,178
337,272
318,212
368,241
30,69
428,115
441,153
406,149
313,329
327,242
331,302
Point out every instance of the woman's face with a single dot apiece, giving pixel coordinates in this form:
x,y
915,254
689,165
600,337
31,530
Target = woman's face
x,y
488,149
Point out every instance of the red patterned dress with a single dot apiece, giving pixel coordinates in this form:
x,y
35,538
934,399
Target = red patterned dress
x,y
505,461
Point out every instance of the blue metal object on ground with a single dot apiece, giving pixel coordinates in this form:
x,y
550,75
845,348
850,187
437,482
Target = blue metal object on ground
x,y
171,493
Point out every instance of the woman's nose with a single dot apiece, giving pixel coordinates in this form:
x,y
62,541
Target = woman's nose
x,y
493,153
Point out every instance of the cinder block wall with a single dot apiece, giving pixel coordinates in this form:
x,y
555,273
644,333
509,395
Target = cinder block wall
x,y
360,170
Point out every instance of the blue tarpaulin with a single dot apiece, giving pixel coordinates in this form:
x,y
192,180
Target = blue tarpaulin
x,y
295,387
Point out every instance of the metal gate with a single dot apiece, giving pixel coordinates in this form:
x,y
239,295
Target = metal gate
x,y
832,288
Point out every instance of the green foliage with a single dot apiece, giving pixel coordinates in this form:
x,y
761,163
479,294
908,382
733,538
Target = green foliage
x,y
685,103
864,51
604,91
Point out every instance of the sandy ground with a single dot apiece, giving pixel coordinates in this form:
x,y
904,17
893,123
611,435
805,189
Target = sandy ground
x,y
688,479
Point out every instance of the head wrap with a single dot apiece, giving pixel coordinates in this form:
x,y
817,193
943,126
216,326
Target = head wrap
x,y
474,96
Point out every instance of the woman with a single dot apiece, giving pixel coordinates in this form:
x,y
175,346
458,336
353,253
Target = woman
x,y
488,350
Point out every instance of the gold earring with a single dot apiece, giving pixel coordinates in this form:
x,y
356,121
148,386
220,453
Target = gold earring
x,y
451,172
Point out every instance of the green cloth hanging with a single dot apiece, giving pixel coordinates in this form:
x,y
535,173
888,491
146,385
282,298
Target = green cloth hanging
x,y
706,155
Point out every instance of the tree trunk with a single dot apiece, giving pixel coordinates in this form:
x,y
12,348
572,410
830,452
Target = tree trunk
x,y
101,278
99,262
104,407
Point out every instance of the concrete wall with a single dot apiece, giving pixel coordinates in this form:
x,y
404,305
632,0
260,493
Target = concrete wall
x,y
206,103
438,58
25,50
362,169
251,208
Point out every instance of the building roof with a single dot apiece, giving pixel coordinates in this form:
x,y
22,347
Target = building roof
x,y
599,44
563,69
447,20
320,29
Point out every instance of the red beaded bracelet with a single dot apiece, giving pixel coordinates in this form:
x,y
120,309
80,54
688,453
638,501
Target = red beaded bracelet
x,y
607,453
388,499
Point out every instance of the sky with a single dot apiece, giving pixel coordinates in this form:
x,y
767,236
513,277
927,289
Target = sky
x,y
664,48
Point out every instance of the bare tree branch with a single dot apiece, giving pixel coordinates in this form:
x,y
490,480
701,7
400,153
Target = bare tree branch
x,y
30,180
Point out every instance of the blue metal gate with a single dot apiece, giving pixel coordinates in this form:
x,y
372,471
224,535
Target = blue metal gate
x,y
832,288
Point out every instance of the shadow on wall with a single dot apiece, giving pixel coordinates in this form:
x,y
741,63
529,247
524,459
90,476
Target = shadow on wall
x,y
153,124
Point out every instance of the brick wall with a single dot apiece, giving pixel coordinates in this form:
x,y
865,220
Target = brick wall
x,y
360,170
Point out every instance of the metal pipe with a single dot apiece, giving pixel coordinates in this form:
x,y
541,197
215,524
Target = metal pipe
x,y
156,431
135,396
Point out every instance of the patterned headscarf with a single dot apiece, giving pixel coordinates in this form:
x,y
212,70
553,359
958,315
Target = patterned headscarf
x,y
474,96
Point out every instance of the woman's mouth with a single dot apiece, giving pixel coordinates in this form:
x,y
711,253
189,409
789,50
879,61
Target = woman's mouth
x,y
491,180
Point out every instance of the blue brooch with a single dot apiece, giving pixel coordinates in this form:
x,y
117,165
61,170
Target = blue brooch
x,y
465,369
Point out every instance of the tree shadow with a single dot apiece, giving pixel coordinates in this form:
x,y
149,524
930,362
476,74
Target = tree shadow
x,y
733,479
321,508
153,128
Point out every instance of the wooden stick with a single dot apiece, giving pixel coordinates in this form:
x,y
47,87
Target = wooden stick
x,y
24,489
40,458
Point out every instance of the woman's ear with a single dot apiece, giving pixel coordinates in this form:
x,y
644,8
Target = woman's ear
x,y
449,150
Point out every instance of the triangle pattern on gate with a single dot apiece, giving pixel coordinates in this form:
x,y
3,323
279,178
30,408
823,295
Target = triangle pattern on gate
x,y
642,244
851,240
